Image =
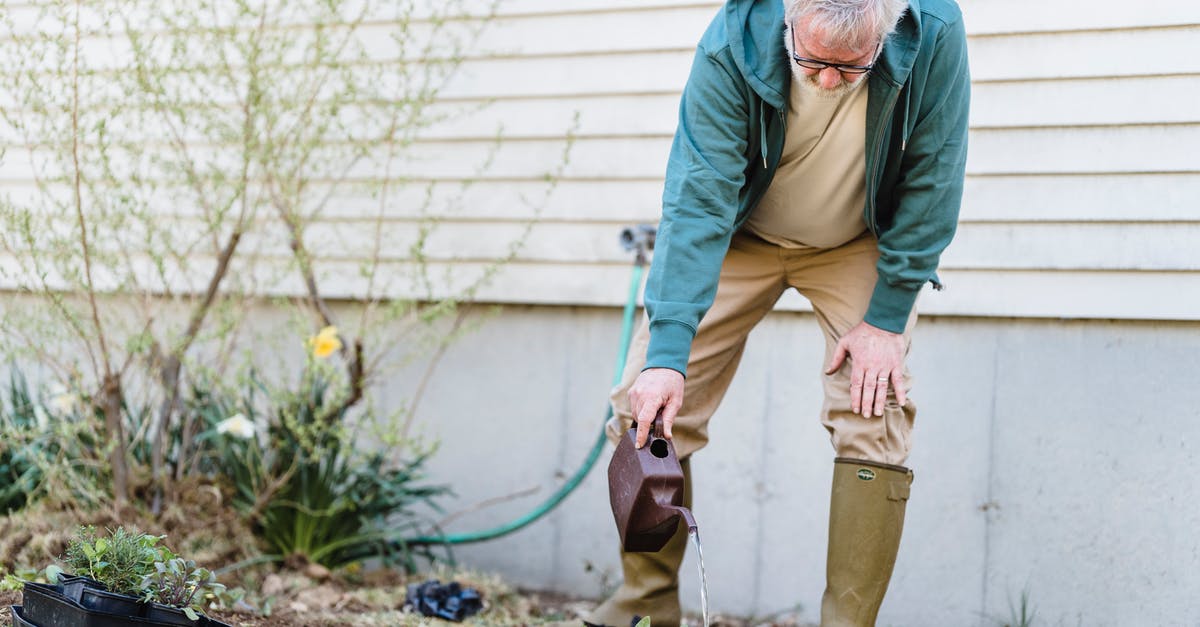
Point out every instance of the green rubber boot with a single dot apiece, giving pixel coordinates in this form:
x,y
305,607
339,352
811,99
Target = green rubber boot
x,y
651,584
866,517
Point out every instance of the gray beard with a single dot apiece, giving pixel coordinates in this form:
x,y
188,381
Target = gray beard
x,y
813,89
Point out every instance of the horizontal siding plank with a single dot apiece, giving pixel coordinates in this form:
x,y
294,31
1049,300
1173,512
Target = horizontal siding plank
x,y
624,73
594,158
619,201
1080,246
631,7
1107,101
632,157
1137,52
1021,16
1084,150
1082,198
596,33
610,201
594,116
1119,295
24,13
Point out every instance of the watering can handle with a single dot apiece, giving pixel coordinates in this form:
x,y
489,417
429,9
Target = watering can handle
x,y
656,427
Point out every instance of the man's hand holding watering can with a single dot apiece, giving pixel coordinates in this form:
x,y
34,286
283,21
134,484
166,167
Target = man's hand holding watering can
x,y
656,389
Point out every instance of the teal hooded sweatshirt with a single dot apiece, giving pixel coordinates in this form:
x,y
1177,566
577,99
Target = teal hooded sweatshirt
x,y
730,138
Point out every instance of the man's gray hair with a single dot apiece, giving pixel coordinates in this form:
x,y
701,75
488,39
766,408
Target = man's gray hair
x,y
857,23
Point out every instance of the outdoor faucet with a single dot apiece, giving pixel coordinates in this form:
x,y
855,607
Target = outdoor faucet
x,y
639,238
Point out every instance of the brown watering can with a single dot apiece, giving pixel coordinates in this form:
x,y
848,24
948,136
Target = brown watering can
x,y
645,487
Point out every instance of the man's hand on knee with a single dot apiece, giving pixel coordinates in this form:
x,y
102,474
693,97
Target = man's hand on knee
x,y
876,360
655,390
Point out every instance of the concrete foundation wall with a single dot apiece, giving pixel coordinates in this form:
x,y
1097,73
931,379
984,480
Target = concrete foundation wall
x,y
1052,457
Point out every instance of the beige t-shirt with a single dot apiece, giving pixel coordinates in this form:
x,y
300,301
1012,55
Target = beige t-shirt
x,y
816,198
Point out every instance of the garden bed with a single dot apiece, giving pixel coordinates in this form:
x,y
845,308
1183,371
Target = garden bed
x,y
376,602
346,597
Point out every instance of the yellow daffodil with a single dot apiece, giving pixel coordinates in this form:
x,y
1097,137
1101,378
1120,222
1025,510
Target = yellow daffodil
x,y
237,425
325,343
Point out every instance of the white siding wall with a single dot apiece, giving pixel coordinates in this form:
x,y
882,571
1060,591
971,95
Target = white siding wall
x,y
1082,182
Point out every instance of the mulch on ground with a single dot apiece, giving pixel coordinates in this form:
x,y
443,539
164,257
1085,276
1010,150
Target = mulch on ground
x,y
327,605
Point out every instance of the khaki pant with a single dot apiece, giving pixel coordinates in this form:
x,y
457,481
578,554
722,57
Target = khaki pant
x,y
838,282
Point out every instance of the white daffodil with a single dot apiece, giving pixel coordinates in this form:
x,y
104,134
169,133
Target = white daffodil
x,y
43,420
61,401
238,426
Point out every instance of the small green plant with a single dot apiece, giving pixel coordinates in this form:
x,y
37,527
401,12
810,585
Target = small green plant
x,y
9,581
645,622
1021,613
305,487
16,581
121,561
139,565
181,584
19,472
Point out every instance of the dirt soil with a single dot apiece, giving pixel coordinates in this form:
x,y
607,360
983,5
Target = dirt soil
x,y
378,603
294,594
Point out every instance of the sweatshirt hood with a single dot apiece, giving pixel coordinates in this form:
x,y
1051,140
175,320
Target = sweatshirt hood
x,y
755,29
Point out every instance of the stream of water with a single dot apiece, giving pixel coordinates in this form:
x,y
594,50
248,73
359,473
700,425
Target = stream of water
x,y
694,535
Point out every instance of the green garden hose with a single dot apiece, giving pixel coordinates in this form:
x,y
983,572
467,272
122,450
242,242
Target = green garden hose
x,y
550,503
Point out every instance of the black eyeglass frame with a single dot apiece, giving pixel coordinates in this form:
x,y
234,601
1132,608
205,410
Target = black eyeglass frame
x,y
818,65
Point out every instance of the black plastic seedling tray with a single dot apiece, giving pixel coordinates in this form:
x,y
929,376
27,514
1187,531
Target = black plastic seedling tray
x,y
47,606
19,618
163,615
92,595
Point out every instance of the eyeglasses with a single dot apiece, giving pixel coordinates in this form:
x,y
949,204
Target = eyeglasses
x,y
815,64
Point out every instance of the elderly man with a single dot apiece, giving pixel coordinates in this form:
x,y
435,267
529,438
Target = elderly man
x,y
821,146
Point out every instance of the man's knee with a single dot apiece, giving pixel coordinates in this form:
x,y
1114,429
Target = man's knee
x,y
885,439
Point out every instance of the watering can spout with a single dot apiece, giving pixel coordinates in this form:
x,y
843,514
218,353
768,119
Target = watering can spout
x,y
688,519
645,488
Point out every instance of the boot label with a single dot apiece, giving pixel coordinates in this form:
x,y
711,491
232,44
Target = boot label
x,y
866,474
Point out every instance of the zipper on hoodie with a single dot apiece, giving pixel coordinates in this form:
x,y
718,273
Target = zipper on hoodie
x,y
763,133
871,202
